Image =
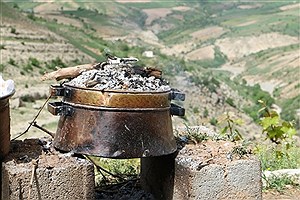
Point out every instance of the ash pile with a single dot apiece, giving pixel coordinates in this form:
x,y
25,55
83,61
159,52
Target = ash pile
x,y
121,74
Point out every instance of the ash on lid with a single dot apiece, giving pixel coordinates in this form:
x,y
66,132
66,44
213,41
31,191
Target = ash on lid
x,y
119,76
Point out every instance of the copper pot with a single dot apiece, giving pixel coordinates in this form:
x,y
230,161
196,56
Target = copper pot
x,y
117,124
5,125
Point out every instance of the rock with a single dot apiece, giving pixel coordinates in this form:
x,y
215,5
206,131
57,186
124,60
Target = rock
x,y
16,103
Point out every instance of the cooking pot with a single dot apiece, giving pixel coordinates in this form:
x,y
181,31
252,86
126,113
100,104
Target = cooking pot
x,y
5,124
115,123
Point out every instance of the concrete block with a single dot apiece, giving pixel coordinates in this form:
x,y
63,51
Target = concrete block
x,y
57,176
239,179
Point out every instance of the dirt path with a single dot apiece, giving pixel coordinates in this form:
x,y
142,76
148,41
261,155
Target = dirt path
x,y
288,194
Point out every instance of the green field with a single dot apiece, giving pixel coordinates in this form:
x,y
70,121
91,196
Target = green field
x,y
94,15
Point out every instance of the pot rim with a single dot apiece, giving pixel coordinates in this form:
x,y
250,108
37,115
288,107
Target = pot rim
x,y
8,95
118,91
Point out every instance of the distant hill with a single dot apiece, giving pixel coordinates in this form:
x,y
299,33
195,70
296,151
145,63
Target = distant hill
x,y
224,56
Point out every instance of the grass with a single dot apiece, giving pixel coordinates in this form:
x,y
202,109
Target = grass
x,y
219,59
192,134
24,40
51,126
67,32
155,4
124,168
262,57
289,109
2,67
81,14
279,183
275,158
23,5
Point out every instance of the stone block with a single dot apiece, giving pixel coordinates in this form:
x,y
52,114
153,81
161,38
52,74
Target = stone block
x,y
240,179
217,169
57,176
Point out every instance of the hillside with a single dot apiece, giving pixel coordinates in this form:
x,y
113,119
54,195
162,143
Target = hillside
x,y
216,53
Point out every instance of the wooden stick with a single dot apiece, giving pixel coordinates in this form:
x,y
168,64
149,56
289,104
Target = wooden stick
x,y
43,129
69,72
34,166
33,121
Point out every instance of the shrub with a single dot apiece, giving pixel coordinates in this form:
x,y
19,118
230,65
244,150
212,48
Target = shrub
x,y
282,152
213,121
274,157
276,129
34,62
57,62
229,122
31,16
205,113
27,98
120,167
279,182
195,110
16,6
28,67
13,30
194,134
11,61
230,102
2,67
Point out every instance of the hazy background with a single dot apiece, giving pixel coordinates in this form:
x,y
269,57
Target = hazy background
x,y
223,55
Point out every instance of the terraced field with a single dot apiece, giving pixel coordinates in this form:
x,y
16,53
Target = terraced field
x,y
254,42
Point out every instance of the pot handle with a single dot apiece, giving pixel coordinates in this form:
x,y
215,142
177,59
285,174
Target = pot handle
x,y
177,95
59,108
59,91
177,110
56,90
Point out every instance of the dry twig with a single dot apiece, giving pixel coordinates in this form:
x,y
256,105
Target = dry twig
x,y
34,166
33,122
43,129
102,169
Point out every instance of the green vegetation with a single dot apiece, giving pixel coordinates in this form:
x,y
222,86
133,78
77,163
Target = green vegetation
x,y
53,64
206,80
27,68
219,59
11,62
279,183
290,107
274,157
34,62
229,123
213,121
276,129
155,4
2,66
253,93
119,169
194,134
283,152
31,16
230,102
13,30
27,98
